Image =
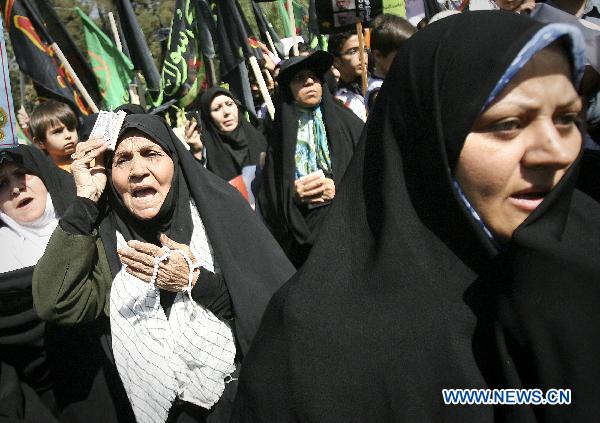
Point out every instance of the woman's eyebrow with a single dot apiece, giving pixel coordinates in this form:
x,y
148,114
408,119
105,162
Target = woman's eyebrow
x,y
574,100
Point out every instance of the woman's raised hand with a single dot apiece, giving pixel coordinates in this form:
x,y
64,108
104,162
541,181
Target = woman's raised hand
x,y
172,274
88,168
192,137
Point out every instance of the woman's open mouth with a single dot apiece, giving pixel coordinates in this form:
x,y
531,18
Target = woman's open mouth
x,y
528,201
24,202
143,193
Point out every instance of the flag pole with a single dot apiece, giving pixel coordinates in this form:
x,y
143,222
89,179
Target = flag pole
x,y
210,65
290,9
22,89
262,86
361,46
115,31
86,96
271,43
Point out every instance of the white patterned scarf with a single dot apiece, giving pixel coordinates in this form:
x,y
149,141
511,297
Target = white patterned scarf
x,y
187,356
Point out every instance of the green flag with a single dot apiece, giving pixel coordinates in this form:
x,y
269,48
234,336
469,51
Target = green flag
x,y
113,69
301,17
285,18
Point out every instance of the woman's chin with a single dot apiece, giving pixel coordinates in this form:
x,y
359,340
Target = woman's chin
x,y
144,213
228,128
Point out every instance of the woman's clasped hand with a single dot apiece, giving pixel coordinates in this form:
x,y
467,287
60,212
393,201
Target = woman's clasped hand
x,y
172,273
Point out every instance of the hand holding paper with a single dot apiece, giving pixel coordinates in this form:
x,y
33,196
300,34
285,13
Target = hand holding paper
x,y
88,168
314,189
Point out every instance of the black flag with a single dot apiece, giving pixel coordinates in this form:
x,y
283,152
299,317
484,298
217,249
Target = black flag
x,y
233,48
182,72
265,27
137,45
31,45
60,35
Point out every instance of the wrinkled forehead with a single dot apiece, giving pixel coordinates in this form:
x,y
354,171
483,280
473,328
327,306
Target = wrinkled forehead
x,y
134,140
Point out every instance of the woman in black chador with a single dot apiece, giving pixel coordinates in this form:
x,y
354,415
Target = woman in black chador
x,y
174,258
457,254
46,372
230,142
311,142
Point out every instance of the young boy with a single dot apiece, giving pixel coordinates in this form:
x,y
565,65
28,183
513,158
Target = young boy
x,y
388,33
54,128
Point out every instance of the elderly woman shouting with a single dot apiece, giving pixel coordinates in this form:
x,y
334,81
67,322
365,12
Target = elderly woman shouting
x,y
153,242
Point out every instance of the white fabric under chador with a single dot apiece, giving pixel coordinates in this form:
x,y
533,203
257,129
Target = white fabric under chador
x,y
187,356
23,245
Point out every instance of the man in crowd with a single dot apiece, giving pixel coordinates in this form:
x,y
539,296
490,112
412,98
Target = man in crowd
x,y
346,53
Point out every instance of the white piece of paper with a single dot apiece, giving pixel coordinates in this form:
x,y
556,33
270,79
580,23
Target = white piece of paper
x,y
107,126
319,172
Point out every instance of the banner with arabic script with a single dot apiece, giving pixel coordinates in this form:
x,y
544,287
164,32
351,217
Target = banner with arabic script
x,y
182,72
8,125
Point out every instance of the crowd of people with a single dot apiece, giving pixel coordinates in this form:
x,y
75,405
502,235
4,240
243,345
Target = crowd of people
x,y
436,228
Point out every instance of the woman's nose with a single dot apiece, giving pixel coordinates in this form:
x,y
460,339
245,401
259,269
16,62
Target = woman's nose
x,y
550,148
138,167
17,187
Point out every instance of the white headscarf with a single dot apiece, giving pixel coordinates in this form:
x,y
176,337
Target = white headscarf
x,y
23,245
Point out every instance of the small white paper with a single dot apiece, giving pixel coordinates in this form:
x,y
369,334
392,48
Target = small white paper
x,y
107,126
319,172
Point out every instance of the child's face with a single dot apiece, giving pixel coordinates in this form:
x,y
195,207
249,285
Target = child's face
x,y
60,141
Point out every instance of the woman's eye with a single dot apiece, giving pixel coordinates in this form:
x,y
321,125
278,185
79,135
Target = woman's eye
x,y
506,126
151,154
567,119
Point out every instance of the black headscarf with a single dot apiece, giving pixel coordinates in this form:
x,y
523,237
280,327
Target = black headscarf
x,y
403,295
252,264
228,152
294,226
